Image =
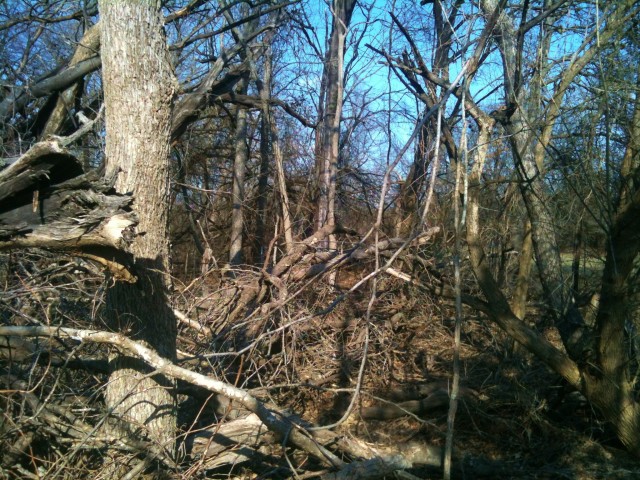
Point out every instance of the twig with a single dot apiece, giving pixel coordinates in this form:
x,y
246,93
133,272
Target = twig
x,y
279,425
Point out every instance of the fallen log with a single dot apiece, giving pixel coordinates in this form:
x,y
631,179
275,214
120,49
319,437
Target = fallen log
x,y
231,443
46,201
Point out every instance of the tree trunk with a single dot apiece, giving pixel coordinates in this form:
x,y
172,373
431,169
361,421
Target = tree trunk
x,y
264,88
520,292
240,142
613,387
139,90
239,169
282,186
498,308
270,147
328,144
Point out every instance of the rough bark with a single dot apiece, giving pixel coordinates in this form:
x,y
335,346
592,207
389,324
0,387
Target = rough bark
x,y
630,170
242,38
139,89
410,189
612,386
519,300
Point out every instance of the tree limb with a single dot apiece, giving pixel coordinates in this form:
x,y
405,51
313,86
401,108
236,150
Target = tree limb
x,y
277,423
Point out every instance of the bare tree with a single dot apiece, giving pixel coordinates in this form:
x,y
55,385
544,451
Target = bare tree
x,y
330,112
240,145
605,346
597,361
139,92
500,124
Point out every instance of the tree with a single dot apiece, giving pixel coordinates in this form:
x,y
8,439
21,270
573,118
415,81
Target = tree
x,y
241,148
139,92
527,113
270,148
605,346
330,112
596,358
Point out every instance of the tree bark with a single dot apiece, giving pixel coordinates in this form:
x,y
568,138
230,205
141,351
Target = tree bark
x,y
519,300
139,89
239,169
329,131
616,321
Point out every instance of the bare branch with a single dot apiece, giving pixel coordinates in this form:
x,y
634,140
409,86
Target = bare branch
x,y
279,424
16,101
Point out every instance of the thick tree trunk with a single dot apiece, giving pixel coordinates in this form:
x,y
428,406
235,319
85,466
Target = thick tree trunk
x,y
616,320
139,90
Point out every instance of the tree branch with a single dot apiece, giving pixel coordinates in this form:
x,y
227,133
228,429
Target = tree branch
x,y
277,423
